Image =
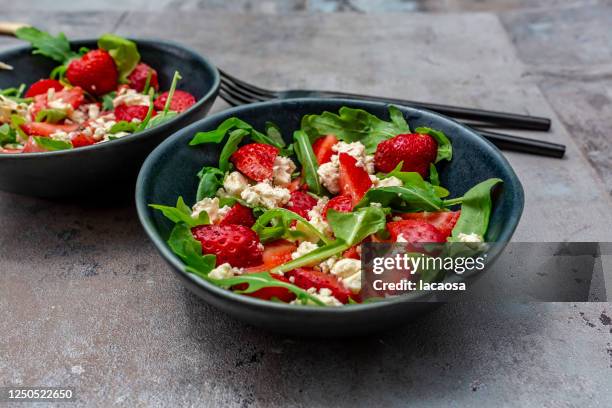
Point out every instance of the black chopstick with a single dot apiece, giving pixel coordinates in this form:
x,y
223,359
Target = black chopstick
x,y
523,144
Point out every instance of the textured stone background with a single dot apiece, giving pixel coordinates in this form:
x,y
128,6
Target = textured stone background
x,y
87,302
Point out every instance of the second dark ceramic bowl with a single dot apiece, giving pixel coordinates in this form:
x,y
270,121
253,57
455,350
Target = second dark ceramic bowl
x,y
170,171
109,168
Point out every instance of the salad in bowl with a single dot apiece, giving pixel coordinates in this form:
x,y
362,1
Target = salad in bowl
x,y
92,96
285,222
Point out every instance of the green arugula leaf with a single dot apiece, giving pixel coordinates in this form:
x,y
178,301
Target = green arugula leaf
x,y
475,210
318,255
354,125
234,139
175,78
13,93
147,85
403,199
306,157
161,118
7,134
186,247
274,133
123,51
276,223
56,48
211,179
50,115
410,178
124,126
182,213
51,144
445,149
145,122
16,122
353,227
107,100
217,135
397,117
258,281
434,178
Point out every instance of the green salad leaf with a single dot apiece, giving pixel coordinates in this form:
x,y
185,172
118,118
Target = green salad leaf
x,y
56,48
274,133
353,227
51,144
182,213
50,115
276,223
306,157
318,255
476,205
107,100
445,149
217,135
234,139
189,249
7,134
124,126
397,117
211,179
434,178
355,125
16,122
123,51
411,178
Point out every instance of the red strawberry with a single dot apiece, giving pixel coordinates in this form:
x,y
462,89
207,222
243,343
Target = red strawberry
x,y
138,77
352,252
354,180
444,221
73,96
342,203
275,253
42,86
415,233
282,294
81,139
95,72
322,148
296,184
255,160
239,215
235,244
415,150
307,278
300,203
131,112
46,129
181,101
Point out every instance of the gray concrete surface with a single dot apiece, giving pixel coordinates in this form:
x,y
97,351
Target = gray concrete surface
x,y
87,302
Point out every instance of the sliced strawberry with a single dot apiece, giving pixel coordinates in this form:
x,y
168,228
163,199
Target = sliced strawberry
x,y
131,112
307,278
138,77
300,203
354,180
352,252
342,203
81,139
444,221
415,150
42,86
73,96
415,233
234,244
32,147
296,184
46,129
95,72
40,103
270,293
239,215
275,253
255,160
181,101
322,148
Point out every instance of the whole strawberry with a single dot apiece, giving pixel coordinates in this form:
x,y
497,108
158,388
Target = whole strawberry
x,y
95,72
415,150
138,77
234,244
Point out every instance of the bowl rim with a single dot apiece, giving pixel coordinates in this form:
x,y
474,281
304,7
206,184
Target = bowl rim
x,y
255,303
155,42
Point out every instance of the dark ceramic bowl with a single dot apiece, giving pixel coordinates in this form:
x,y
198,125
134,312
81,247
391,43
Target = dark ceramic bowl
x,y
171,170
108,168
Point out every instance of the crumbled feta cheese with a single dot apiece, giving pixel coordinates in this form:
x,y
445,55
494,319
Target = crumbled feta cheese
x,y
59,104
377,205
325,296
386,182
9,107
396,218
353,282
211,207
469,237
60,135
93,110
327,265
315,217
224,271
265,195
401,238
235,183
304,248
329,176
349,271
357,150
282,169
131,97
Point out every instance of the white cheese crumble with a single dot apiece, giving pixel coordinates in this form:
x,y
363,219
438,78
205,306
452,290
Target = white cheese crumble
x,y
282,169
211,207
401,238
235,183
327,265
386,182
224,271
329,176
61,136
349,271
265,195
357,150
9,107
131,97
304,248
473,237
315,217
325,296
